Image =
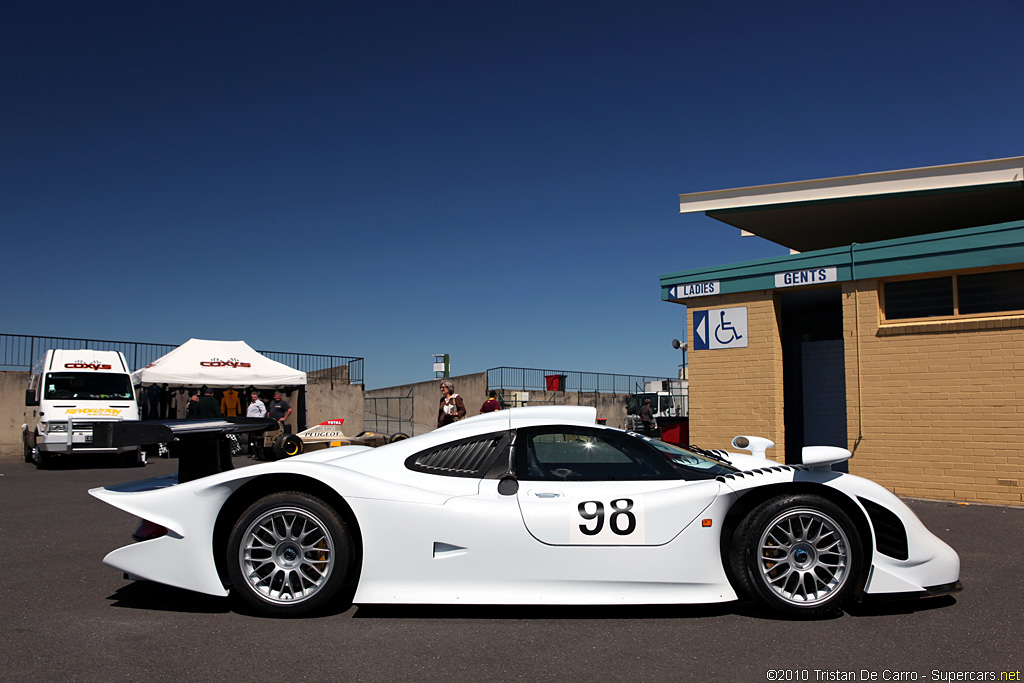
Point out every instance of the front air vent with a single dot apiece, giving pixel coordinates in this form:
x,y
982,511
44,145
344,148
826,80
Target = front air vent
x,y
743,474
466,458
890,534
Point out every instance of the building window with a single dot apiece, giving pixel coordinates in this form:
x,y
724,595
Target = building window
x,y
919,298
991,292
954,296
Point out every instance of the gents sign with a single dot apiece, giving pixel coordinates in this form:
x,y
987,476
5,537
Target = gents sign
x,y
811,276
694,289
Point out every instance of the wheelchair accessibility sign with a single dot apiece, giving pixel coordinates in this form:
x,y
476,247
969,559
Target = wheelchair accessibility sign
x,y
720,328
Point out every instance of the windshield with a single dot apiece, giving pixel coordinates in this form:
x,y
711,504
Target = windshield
x,y
88,386
689,461
660,403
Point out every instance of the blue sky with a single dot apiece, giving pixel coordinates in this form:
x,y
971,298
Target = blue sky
x,y
494,180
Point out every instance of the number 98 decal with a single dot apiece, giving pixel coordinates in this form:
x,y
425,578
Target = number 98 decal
x,y
615,522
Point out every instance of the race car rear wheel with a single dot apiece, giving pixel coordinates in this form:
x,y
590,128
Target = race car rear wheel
x,y
289,554
287,445
799,555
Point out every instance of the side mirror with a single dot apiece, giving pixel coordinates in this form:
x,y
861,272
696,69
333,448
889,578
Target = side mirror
x,y
30,398
508,485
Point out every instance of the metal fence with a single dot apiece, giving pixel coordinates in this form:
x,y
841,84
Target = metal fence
x,y
389,414
534,379
21,352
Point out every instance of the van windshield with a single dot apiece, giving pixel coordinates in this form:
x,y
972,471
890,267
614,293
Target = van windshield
x,y
88,386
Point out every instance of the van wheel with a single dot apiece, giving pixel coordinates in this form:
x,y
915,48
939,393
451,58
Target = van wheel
x,y
133,459
43,461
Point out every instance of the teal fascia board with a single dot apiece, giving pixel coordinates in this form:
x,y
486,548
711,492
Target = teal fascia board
x,y
989,245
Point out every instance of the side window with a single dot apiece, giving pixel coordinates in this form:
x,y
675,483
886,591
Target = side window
x,y
473,457
578,454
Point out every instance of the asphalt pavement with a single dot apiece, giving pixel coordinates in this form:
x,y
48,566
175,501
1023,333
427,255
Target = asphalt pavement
x,y
67,617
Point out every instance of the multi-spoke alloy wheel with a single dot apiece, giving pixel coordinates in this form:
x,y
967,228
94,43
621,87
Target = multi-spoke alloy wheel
x,y
798,554
288,554
804,556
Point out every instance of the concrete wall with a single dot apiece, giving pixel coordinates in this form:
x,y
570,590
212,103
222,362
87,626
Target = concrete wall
x,y
738,391
610,407
12,411
327,400
420,415
934,408
425,397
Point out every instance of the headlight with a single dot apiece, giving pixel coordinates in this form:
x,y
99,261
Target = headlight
x,y
56,427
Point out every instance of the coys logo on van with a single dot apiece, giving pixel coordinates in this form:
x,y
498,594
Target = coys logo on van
x,y
82,365
229,363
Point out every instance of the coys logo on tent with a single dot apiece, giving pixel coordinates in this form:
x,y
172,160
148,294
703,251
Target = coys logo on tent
x,y
229,363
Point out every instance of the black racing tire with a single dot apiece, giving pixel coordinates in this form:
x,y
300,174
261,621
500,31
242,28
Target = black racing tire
x,y
289,554
287,445
398,436
798,555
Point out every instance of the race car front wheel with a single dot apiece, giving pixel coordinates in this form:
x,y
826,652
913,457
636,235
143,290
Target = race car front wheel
x,y
287,445
799,555
289,554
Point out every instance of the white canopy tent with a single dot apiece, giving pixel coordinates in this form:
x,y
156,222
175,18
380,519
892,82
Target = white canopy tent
x,y
218,364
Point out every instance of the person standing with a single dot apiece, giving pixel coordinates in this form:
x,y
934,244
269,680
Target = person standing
x,y
192,409
279,410
452,407
491,404
257,408
647,416
207,407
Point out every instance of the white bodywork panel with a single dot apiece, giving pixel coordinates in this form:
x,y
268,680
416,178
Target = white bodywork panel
x,y
431,538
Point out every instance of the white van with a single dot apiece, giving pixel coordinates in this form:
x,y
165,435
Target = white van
x,y
68,392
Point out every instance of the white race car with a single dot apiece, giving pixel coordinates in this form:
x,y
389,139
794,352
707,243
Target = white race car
x,y
534,505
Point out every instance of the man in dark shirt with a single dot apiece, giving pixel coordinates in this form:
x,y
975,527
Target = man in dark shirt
x,y
278,409
647,416
207,405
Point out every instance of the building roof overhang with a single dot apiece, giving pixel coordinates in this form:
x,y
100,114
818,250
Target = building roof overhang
x,y
833,212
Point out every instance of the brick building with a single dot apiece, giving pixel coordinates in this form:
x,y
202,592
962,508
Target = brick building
x,y
895,327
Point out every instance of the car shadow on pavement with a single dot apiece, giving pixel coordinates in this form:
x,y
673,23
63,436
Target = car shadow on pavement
x,y
893,607
146,595
554,612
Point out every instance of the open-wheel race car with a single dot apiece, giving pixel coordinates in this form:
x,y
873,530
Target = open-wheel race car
x,y
327,434
534,505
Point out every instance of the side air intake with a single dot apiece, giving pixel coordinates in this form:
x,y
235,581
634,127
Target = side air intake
x,y
468,458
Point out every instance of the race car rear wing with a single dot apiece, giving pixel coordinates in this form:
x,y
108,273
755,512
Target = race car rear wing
x,y
201,445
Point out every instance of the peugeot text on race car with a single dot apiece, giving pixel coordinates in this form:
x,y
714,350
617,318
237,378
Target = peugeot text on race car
x,y
326,434
534,505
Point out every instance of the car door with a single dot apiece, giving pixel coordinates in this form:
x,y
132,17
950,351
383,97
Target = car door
x,y
592,486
